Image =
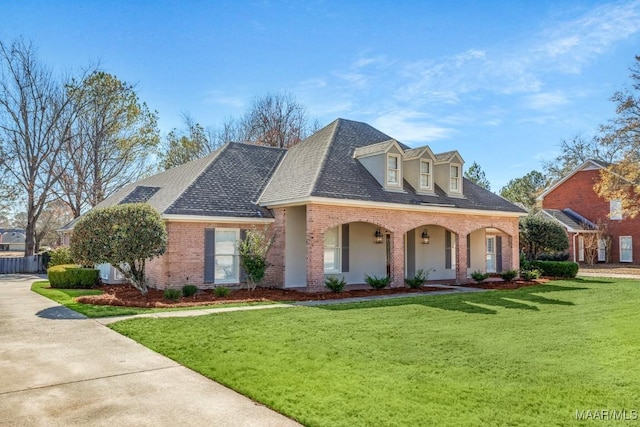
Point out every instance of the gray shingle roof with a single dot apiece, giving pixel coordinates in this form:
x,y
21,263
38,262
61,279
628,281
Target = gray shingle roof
x,y
380,147
226,182
445,157
339,175
571,220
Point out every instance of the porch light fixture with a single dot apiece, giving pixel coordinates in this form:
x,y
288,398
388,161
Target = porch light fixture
x,y
425,237
378,236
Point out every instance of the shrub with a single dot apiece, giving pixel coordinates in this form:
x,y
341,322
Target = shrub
x,y
71,276
335,284
509,275
531,274
479,276
172,294
221,291
554,256
60,256
189,290
253,250
557,268
417,280
377,282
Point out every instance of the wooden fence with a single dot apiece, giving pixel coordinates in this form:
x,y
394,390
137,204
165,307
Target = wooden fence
x,y
29,264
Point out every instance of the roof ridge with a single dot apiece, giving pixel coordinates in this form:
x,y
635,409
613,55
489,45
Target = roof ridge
x,y
320,169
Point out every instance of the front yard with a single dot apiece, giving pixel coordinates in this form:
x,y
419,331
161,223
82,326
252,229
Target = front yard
x,y
532,356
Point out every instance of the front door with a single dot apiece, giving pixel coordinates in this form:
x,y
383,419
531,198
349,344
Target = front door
x,y
491,254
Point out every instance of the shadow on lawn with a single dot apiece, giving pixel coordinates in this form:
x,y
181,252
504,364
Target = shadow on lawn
x,y
473,303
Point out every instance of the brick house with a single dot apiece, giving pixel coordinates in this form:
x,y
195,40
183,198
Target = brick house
x,y
574,203
347,201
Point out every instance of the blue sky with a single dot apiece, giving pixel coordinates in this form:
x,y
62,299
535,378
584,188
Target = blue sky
x,y
503,82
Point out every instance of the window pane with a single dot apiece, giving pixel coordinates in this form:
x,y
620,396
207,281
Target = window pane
x,y
393,162
226,242
454,183
424,167
392,176
454,171
615,208
424,180
330,259
226,267
331,238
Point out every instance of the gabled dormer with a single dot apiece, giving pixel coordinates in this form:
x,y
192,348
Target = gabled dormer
x,y
384,161
448,173
418,169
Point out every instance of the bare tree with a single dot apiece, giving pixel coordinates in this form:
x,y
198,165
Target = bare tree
x,y
275,120
35,121
111,142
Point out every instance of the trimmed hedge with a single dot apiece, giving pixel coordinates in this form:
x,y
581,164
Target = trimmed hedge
x,y
71,276
556,268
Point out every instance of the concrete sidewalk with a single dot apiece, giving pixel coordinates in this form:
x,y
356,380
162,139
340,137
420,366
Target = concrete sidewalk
x,y
58,368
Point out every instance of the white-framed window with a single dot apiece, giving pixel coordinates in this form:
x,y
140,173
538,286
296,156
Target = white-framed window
x,y
332,250
615,209
454,181
227,269
626,249
393,170
491,254
602,250
580,248
425,174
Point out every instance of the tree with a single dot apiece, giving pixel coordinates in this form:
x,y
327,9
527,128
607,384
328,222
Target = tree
x,y
524,190
112,140
125,236
275,120
182,146
621,180
539,234
575,152
253,251
35,122
477,175
53,217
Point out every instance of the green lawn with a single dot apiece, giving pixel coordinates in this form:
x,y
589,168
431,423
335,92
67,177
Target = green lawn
x,y
527,357
66,298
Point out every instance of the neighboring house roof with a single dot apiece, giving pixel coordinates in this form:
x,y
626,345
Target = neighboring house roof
x,y
587,165
324,166
571,220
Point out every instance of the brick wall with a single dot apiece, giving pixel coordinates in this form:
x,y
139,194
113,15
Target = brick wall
x,y
577,193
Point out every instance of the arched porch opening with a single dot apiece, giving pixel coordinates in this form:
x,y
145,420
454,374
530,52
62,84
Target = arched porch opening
x,y
355,249
489,250
431,248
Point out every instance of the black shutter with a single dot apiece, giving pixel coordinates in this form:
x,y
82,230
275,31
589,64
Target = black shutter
x,y
243,274
345,248
468,250
499,254
447,250
411,253
209,255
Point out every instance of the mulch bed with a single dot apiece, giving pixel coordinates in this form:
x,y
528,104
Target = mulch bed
x,y
516,284
128,296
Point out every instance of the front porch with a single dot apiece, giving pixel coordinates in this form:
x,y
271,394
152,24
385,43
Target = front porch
x,y
351,242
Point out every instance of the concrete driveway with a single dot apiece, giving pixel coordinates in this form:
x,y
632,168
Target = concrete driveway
x,y
58,368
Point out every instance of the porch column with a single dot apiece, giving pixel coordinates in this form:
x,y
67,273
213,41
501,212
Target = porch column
x,y
397,259
315,261
461,262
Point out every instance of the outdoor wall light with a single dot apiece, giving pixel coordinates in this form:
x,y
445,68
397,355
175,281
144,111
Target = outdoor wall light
x,y
425,237
378,236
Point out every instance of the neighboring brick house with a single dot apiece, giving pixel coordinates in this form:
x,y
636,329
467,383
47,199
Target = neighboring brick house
x,y
574,203
347,201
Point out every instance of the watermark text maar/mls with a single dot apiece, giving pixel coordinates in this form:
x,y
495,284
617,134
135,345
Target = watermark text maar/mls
x,y
607,414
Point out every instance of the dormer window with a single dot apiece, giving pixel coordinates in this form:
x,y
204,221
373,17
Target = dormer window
x,y
393,170
454,180
425,174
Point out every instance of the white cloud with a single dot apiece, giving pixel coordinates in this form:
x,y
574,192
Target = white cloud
x,y
217,97
410,126
546,100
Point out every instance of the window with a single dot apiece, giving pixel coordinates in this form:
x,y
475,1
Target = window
x,y
226,257
425,174
491,254
393,170
626,249
580,248
332,250
602,250
454,183
615,209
